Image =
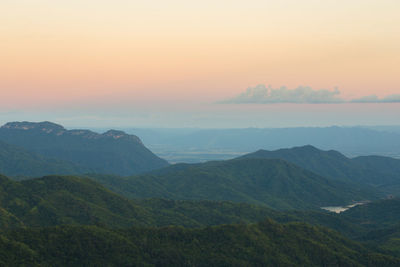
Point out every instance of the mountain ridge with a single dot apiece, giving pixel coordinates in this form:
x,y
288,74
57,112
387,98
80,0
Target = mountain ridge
x,y
365,170
272,182
112,152
53,128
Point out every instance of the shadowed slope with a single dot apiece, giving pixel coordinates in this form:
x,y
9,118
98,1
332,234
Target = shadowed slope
x,y
15,161
275,183
367,170
113,152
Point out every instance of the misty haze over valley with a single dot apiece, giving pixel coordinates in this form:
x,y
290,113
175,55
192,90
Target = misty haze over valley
x,y
198,145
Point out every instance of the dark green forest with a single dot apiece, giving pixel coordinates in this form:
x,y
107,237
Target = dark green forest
x,y
262,209
376,171
66,220
271,182
263,244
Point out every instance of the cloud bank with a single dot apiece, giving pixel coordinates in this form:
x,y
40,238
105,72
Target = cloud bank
x,y
261,94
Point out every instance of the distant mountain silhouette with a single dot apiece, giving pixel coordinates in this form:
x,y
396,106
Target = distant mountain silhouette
x,y
348,140
371,170
113,152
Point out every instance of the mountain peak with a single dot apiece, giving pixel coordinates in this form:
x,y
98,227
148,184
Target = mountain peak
x,y
115,134
44,126
113,152
309,148
305,148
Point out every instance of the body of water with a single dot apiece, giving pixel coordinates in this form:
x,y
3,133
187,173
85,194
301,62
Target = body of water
x,y
340,209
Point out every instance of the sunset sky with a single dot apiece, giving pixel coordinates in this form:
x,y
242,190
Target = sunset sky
x,y
175,63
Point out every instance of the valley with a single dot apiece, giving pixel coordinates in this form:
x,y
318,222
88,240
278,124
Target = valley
x,y
172,133
292,201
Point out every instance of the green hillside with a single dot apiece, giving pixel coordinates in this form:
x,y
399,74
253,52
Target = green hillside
x,y
262,244
58,200
377,171
386,240
377,214
381,219
385,170
274,183
66,220
55,200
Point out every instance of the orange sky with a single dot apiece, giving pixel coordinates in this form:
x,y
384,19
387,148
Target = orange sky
x,y
63,53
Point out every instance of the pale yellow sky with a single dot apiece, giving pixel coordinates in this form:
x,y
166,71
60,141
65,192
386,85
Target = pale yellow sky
x,y
144,52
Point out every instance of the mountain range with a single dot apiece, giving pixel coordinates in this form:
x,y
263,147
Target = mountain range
x,y
64,220
378,171
113,152
60,200
128,207
272,182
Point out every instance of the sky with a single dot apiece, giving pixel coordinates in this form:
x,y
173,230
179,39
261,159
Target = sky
x,y
175,63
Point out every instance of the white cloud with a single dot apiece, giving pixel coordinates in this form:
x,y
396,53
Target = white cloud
x,y
268,95
261,94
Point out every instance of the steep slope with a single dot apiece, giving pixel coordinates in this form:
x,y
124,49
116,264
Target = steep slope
x,y
28,206
383,172
382,221
263,244
386,240
377,214
275,183
15,161
58,200
371,170
326,163
113,152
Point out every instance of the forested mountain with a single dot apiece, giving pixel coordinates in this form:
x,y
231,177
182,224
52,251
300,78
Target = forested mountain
x,y
59,200
274,183
263,244
16,161
56,200
30,209
371,170
384,172
381,219
377,214
112,152
223,212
